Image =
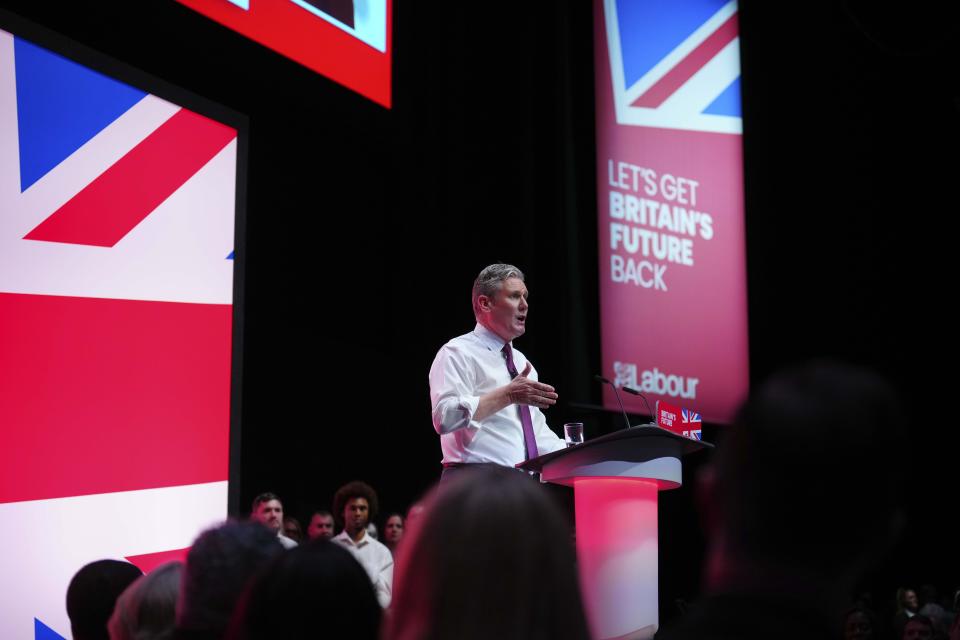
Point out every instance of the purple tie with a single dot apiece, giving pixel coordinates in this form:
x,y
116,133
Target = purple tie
x,y
528,438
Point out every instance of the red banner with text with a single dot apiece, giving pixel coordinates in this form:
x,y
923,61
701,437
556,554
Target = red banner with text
x,y
670,203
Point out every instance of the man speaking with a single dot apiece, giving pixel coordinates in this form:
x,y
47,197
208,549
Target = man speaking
x,y
485,394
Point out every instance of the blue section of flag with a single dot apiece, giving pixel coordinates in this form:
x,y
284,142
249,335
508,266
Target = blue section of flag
x,y
43,632
651,29
230,257
60,106
727,103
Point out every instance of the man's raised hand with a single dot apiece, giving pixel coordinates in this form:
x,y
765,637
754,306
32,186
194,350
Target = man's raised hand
x,y
523,390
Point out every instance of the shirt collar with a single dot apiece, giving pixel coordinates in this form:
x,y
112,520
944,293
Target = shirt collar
x,y
488,338
363,541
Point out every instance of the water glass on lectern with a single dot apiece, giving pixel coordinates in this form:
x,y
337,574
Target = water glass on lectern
x,y
573,433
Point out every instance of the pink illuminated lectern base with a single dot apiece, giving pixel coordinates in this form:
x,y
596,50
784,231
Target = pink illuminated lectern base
x,y
616,479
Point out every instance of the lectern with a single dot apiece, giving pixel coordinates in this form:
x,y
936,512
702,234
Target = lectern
x,y
615,480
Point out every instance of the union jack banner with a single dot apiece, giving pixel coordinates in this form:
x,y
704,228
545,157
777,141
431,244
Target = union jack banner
x,y
675,65
117,213
691,417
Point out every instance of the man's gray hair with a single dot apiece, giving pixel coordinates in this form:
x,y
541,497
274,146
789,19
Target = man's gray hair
x,y
490,281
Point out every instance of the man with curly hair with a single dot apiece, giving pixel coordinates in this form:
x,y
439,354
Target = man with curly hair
x,y
354,505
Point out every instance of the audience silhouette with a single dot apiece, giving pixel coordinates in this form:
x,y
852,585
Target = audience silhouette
x,y
785,548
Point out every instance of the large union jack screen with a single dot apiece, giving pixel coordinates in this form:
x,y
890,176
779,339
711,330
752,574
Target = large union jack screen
x,y
348,41
670,185
117,213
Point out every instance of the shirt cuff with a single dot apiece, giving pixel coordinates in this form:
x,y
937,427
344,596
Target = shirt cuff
x,y
454,414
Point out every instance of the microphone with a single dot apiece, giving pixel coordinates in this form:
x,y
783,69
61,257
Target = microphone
x,y
602,379
633,391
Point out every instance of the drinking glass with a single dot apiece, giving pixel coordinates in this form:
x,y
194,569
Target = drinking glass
x,y
573,433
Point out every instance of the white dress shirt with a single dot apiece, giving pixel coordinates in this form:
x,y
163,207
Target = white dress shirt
x,y
376,559
288,543
466,368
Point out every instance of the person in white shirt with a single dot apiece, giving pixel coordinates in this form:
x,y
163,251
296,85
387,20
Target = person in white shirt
x,y
355,504
268,511
485,394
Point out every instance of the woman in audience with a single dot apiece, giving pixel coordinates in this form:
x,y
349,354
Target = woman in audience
x,y
147,609
489,557
306,592
393,531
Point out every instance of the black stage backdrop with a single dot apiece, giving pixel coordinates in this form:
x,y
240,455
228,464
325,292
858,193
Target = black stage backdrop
x,y
366,227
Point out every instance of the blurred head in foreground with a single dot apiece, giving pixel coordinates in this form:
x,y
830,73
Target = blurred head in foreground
x,y
147,609
808,480
92,594
316,586
490,556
